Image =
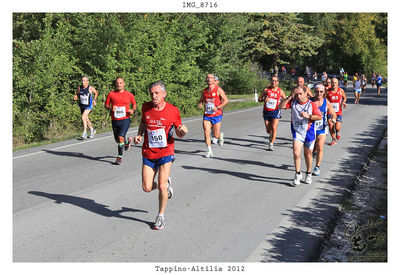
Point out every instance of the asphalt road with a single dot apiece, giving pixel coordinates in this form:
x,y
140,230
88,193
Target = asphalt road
x,y
71,204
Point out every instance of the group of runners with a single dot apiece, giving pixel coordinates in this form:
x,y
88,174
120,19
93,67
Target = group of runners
x,y
313,115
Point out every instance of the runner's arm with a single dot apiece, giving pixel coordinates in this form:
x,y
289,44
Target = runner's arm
x,y
76,96
223,97
181,131
138,138
133,102
316,113
284,102
283,95
331,111
201,101
96,94
344,98
107,103
262,96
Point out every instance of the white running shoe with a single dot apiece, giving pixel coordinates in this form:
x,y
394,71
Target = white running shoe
x,y
271,147
159,223
92,133
169,188
214,140
308,178
297,178
84,135
209,154
221,139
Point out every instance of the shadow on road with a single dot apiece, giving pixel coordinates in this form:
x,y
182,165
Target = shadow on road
x,y
246,176
302,239
91,206
79,155
253,162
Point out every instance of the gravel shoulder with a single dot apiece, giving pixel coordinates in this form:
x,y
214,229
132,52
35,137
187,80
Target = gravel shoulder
x,y
360,233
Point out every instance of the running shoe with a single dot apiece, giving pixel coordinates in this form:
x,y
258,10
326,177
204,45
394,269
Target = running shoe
x,y
297,178
221,139
84,135
316,171
333,143
169,188
214,140
271,147
118,161
159,223
92,133
209,154
128,143
338,136
308,178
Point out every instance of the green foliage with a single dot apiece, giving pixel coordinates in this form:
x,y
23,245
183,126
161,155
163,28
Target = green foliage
x,y
51,51
283,37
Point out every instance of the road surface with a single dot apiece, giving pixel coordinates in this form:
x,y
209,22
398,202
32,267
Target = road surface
x,y
71,204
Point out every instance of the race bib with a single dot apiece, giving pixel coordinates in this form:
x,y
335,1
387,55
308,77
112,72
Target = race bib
x,y
319,124
298,123
209,108
84,99
271,103
336,106
157,138
120,112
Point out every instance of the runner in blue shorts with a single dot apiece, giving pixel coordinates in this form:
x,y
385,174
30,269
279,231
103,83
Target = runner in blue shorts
x,y
321,126
272,96
87,95
379,80
214,99
303,117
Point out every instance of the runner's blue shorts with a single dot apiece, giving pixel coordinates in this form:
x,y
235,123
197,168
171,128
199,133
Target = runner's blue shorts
x,y
156,163
338,118
270,115
322,131
213,119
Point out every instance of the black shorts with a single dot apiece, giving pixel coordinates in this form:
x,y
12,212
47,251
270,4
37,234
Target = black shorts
x,y
120,127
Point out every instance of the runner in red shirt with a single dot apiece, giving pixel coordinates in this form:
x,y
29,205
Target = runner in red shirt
x,y
272,96
118,102
214,100
159,118
338,99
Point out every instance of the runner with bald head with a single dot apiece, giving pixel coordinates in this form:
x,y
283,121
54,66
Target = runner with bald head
x,y
118,102
272,96
301,83
338,99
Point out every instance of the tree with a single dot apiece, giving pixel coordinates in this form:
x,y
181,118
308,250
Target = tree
x,y
283,38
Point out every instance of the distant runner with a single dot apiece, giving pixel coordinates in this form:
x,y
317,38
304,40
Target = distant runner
x,y
338,99
118,103
379,80
304,113
87,96
214,99
272,96
357,89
